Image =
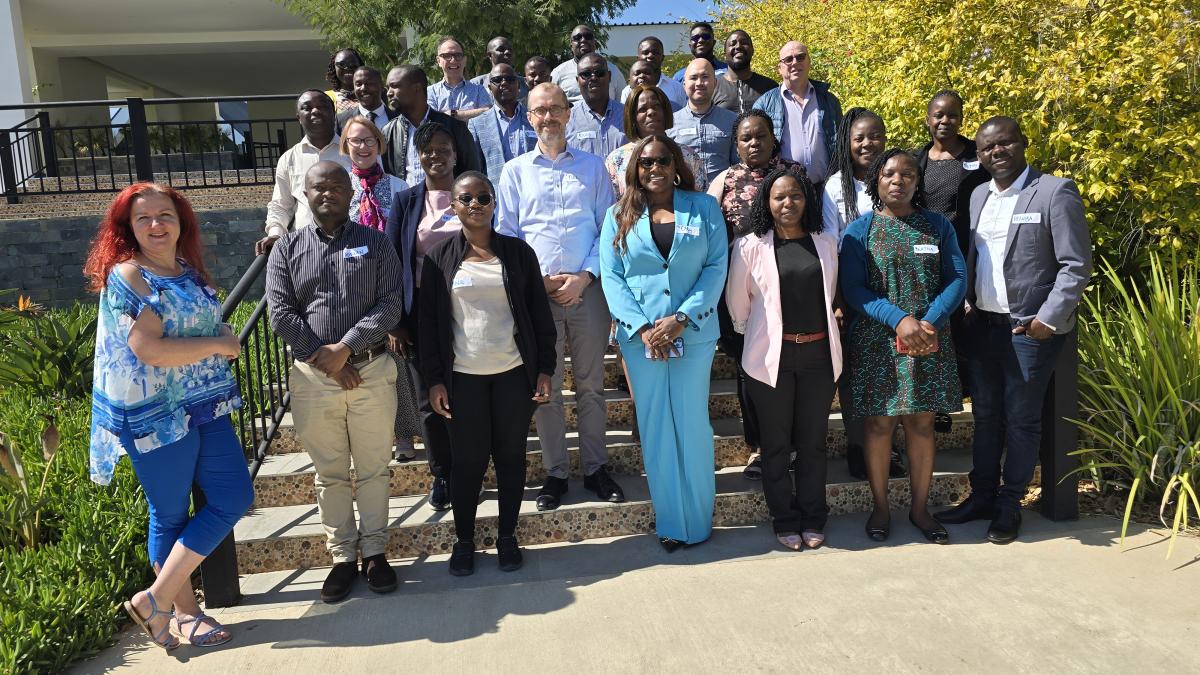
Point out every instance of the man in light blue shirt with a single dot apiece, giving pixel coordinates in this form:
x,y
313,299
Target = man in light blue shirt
x,y
554,197
704,127
647,73
504,132
597,123
454,95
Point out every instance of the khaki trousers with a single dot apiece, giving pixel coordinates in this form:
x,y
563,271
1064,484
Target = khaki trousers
x,y
335,427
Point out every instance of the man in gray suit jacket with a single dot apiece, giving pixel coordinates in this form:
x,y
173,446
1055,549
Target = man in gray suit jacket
x,y
1028,261
503,132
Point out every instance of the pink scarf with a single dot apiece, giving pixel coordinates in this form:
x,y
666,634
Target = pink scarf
x,y
369,212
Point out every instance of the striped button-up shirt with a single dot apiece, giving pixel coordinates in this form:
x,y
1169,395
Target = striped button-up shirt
x,y
324,290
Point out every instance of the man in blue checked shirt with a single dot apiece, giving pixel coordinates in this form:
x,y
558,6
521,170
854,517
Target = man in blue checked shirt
x,y
503,132
597,123
704,127
555,198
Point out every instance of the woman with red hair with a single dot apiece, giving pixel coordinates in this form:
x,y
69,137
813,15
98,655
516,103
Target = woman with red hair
x,y
162,394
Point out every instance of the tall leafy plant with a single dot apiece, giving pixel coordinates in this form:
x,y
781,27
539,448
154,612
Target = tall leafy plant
x,y
48,354
1139,388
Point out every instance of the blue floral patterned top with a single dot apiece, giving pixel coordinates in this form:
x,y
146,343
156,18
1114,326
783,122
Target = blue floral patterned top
x,y
161,405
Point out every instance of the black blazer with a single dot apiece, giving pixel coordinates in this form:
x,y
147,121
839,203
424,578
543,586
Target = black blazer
x,y
401,229
346,114
395,155
972,179
535,334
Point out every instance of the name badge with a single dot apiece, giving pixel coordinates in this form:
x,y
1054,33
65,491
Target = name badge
x,y
690,230
462,281
586,135
686,131
1019,218
970,164
531,133
447,217
925,249
357,252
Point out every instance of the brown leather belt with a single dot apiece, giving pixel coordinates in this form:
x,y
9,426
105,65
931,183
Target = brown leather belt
x,y
371,353
801,338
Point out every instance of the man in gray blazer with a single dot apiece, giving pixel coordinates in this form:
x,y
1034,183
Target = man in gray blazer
x,y
503,132
1028,262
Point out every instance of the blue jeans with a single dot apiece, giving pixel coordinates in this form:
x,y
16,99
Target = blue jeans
x,y
209,456
1009,376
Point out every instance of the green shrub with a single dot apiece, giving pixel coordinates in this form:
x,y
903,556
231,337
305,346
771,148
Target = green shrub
x,y
49,353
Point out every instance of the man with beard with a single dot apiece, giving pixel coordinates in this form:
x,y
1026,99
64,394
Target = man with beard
x,y
407,95
597,121
739,87
583,42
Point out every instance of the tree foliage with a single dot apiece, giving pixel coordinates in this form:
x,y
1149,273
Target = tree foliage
x,y
1106,90
377,28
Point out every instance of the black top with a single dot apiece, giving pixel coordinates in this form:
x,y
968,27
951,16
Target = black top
x,y
801,285
535,335
663,234
938,186
740,96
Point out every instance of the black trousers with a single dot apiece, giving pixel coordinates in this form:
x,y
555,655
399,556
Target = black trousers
x,y
732,343
436,436
794,416
491,415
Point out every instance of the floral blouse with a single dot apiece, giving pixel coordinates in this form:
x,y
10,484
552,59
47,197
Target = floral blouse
x,y
739,189
618,161
159,405
385,190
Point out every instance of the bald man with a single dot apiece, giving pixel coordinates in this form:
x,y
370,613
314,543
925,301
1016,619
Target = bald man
x,y
805,113
333,289
702,126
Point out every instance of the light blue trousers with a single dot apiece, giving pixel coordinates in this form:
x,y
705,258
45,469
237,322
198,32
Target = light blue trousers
x,y
671,398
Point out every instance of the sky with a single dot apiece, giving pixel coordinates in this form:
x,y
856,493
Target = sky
x,y
665,10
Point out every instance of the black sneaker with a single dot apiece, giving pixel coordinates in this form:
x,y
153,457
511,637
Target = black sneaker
x,y
381,578
339,582
439,494
509,553
462,559
604,486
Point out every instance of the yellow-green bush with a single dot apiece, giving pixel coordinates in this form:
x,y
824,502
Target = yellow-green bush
x,y
1106,90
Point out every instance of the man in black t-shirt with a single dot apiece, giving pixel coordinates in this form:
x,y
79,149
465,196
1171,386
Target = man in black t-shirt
x,y
739,87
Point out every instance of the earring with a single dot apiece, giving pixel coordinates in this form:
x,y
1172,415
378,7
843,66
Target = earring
x,y
676,180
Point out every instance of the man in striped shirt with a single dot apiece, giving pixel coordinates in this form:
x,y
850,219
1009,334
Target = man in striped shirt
x,y
333,289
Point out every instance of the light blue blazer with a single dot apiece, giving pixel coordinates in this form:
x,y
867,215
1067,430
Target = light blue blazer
x,y
641,287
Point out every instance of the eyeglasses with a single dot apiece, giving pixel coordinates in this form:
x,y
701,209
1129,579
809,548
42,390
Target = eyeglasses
x,y
580,37
501,79
362,142
451,56
590,74
793,58
554,110
651,162
702,37
483,198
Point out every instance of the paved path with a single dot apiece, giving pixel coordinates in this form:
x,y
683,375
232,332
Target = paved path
x,y
1064,598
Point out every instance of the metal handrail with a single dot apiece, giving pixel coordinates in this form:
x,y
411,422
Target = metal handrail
x,y
52,105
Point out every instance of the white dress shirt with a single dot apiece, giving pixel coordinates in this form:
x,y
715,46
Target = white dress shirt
x,y
381,116
833,212
287,199
989,238
670,87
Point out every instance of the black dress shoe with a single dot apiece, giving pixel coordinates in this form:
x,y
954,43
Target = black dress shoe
x,y
381,578
550,496
671,545
604,486
971,508
896,468
509,554
439,494
876,532
855,462
936,535
462,559
1005,526
339,582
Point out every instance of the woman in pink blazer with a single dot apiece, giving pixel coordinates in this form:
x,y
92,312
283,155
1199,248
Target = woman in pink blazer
x,y
781,291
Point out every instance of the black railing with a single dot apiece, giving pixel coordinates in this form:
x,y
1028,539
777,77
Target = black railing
x,y
42,156
262,373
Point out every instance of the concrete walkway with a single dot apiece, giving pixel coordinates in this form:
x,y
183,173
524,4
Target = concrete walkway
x,y
1064,598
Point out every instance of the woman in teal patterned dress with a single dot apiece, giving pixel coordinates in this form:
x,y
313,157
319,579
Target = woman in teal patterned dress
x,y
903,275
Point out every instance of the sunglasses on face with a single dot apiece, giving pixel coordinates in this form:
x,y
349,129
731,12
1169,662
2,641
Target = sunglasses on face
x,y
794,58
651,162
345,65
702,37
483,198
592,74
502,79
580,37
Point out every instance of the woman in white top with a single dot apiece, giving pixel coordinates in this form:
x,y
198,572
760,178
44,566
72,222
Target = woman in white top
x,y
487,351
861,138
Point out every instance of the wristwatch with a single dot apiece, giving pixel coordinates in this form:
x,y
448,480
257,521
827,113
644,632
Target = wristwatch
x,y
682,318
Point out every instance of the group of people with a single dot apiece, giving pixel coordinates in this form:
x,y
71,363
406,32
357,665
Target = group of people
x,y
437,251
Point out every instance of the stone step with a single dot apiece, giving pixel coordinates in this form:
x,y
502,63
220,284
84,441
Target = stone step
x,y
291,537
723,368
287,479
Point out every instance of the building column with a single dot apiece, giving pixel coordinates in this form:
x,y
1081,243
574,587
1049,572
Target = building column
x,y
14,67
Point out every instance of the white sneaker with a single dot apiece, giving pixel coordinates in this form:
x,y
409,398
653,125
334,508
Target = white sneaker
x,y
403,450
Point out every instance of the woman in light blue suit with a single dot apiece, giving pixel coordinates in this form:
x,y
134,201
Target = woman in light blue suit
x,y
662,265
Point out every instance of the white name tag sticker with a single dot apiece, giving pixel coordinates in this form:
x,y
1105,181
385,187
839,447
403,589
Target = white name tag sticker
x,y
586,135
531,133
925,249
462,281
689,230
970,164
354,252
1019,218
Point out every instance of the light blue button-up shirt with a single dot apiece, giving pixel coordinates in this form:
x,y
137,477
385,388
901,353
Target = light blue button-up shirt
x,y
710,135
466,95
416,175
516,133
597,135
557,207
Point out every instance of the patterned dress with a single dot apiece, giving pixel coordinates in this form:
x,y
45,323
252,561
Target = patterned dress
x,y
160,405
741,186
883,382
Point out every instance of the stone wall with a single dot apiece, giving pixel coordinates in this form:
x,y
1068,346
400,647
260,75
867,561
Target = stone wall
x,y
43,258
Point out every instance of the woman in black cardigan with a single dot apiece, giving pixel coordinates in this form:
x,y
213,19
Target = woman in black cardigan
x,y
486,339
